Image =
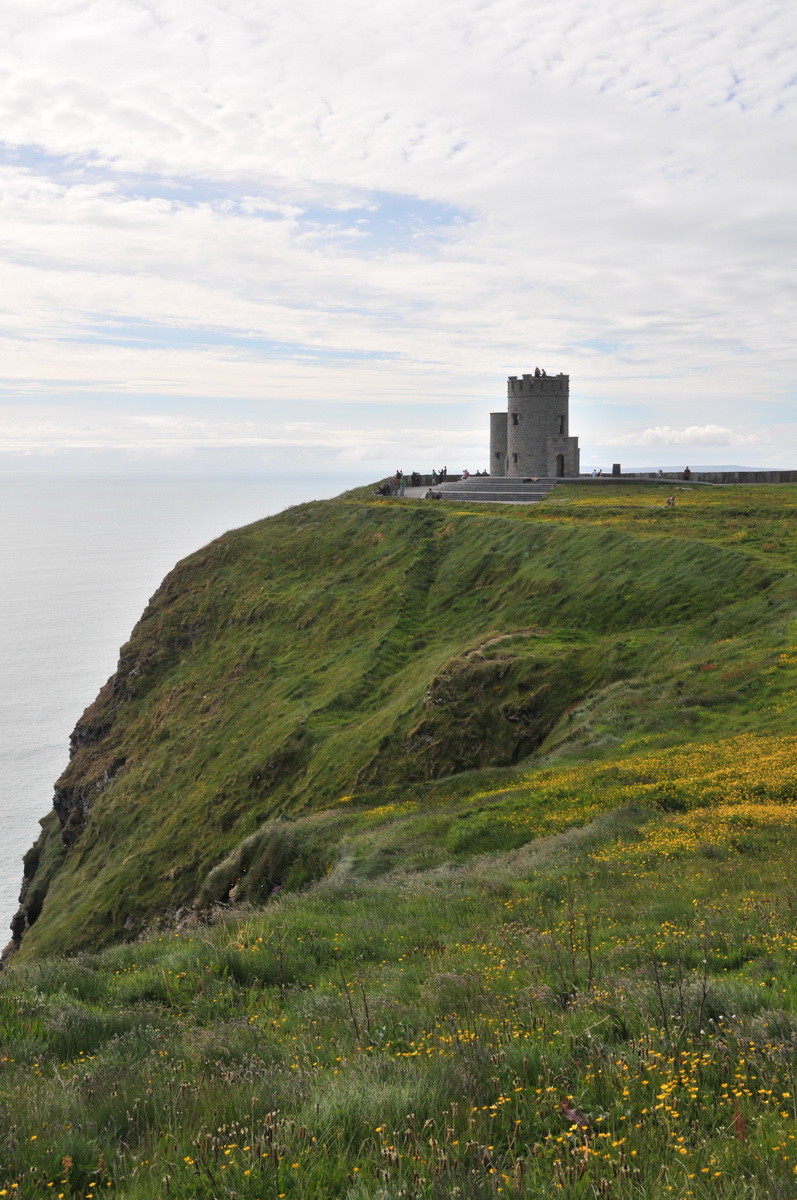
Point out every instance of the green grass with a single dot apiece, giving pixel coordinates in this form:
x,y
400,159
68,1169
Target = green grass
x,y
422,1037
402,833
352,647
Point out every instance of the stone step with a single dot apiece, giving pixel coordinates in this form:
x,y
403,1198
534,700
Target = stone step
x,y
495,490
494,497
499,481
486,483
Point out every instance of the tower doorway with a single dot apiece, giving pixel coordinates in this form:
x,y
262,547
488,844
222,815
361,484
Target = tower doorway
x,y
560,466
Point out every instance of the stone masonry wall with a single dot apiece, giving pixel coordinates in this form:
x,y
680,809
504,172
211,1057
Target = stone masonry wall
x,y
498,445
563,457
538,409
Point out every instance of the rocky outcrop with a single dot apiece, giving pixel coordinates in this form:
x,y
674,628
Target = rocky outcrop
x,y
73,804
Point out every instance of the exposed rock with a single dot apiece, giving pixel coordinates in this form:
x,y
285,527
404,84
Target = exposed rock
x,y
73,804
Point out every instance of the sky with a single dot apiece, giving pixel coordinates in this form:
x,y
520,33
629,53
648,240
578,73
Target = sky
x,y
241,235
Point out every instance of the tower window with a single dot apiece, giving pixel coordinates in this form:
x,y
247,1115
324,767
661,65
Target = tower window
x,y
561,428
514,418
514,458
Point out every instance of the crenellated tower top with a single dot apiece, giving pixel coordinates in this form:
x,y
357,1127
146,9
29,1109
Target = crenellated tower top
x,y
539,382
533,437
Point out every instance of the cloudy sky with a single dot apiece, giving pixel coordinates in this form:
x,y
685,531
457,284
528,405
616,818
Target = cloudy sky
x,y
236,233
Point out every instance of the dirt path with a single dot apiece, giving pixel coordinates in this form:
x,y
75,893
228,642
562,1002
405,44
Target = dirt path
x,y
502,637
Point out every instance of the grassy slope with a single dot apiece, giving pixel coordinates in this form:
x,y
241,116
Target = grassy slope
x,y
595,910
419,1038
352,648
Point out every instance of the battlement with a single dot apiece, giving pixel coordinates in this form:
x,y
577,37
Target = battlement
x,y
529,384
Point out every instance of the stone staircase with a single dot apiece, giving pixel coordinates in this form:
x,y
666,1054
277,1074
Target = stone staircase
x,y
495,490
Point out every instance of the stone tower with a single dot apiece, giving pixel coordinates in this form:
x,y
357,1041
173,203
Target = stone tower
x,y
533,436
498,444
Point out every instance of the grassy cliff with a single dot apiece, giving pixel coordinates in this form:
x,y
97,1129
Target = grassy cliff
x,y
428,851
404,653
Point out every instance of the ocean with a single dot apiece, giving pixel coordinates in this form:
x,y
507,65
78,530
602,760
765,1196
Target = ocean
x,y
81,556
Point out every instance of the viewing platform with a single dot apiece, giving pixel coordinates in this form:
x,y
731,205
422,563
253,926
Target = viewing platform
x,y
495,489
504,489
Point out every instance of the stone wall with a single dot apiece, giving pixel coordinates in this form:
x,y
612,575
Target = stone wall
x,y
498,443
563,458
538,410
719,476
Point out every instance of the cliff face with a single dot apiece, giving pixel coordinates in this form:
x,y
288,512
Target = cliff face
x,y
351,647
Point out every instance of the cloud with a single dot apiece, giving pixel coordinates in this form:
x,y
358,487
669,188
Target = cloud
x,y
693,435
190,87
225,200
172,438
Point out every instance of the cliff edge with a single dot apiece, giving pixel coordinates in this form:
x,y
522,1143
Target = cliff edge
x,y
353,651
